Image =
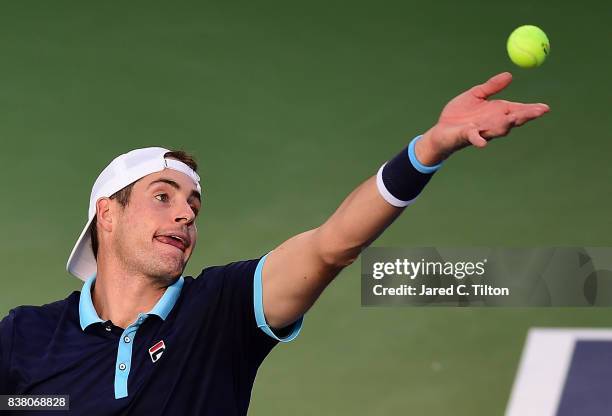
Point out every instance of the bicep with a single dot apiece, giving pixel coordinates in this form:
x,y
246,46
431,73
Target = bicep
x,y
293,276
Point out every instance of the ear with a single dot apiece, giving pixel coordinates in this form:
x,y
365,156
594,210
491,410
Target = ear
x,y
104,214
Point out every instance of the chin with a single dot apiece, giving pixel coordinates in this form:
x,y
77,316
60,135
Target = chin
x,y
171,269
169,263
164,279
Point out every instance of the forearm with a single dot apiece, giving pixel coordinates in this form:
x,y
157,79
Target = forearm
x,y
376,203
297,271
355,224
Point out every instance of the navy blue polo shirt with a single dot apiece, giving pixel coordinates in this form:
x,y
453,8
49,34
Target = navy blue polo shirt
x,y
196,352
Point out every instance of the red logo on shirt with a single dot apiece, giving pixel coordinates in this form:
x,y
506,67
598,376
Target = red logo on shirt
x,y
157,350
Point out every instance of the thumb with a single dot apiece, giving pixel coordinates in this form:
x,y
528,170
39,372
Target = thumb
x,y
455,137
474,137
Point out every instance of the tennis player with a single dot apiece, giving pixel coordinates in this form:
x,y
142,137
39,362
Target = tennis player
x,y
142,339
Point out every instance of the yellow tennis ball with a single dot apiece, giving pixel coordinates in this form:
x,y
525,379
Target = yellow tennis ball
x,y
528,46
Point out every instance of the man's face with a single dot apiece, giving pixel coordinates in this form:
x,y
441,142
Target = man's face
x,y
155,232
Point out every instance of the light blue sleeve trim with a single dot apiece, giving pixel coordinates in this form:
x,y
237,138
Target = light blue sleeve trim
x,y
415,162
259,310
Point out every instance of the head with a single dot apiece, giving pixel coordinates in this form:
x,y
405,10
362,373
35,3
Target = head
x,y
133,228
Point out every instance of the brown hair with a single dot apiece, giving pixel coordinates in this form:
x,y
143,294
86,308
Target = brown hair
x,y
123,196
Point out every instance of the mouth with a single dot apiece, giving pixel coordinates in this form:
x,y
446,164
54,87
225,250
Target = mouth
x,y
175,240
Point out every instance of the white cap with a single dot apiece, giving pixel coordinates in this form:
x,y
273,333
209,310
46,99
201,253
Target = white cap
x,y
121,172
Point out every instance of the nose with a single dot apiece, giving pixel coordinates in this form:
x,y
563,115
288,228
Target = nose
x,y
185,214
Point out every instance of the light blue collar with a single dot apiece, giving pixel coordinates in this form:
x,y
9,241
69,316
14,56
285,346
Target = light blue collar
x,y
88,314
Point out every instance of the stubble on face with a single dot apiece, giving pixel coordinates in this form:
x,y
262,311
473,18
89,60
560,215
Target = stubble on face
x,y
138,251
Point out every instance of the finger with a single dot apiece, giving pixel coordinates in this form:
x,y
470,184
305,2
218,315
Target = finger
x,y
493,85
475,138
520,106
525,114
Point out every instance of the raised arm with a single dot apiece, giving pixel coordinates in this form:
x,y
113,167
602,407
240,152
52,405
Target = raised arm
x,y
296,272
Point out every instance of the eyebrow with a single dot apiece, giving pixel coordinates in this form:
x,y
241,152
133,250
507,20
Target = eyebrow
x,y
194,194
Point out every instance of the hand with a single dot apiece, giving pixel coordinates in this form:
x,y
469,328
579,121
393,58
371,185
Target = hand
x,y
472,119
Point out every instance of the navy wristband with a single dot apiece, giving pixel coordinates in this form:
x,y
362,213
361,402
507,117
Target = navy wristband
x,y
401,179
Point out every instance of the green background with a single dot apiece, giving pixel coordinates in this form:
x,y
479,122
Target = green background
x,y
288,107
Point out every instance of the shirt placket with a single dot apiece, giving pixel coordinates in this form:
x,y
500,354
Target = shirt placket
x,y
124,356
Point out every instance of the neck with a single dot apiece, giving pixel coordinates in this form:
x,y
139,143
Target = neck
x,y
120,296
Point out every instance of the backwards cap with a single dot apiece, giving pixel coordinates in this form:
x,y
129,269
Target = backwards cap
x,y
124,170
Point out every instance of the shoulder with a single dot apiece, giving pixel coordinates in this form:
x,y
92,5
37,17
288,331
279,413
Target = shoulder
x,y
227,284
227,274
43,316
235,267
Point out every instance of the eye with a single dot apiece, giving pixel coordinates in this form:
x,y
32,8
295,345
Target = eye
x,y
163,199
